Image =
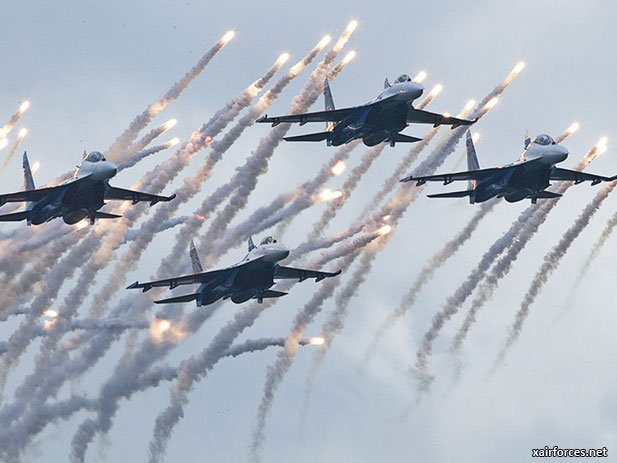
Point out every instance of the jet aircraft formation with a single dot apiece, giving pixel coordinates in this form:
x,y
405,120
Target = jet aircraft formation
x,y
380,120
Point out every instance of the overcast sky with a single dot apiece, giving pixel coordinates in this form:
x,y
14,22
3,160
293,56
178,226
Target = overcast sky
x,y
89,67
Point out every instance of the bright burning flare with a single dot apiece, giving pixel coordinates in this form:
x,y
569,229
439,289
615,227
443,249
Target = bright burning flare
x,y
3,143
316,341
436,90
36,165
420,77
469,105
170,123
491,103
173,142
352,26
327,195
348,57
573,128
283,58
227,37
24,106
386,217
384,230
325,41
338,168
601,146
446,115
83,223
519,67
50,313
22,132
475,137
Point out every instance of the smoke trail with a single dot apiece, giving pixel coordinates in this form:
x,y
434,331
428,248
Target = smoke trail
x,y
197,367
139,155
246,176
425,275
132,235
191,186
218,148
516,237
6,128
100,345
593,254
551,261
535,216
142,120
145,141
129,369
296,201
9,156
104,254
351,182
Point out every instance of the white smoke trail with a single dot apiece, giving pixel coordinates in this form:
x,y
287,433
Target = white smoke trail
x,y
190,187
425,275
142,120
550,263
139,155
128,370
97,348
11,153
535,217
593,254
516,237
197,367
218,148
8,126
142,143
246,177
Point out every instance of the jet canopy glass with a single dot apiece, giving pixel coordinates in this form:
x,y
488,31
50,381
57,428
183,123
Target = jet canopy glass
x,y
402,78
95,156
544,140
268,240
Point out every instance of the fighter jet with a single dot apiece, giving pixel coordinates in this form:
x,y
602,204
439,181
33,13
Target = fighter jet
x,y
79,197
251,278
377,121
526,178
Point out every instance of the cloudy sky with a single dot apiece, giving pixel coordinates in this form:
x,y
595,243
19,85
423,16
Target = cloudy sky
x,y
90,68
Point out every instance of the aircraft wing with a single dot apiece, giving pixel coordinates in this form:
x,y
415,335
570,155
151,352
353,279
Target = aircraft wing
x,y
480,174
577,176
39,193
427,117
204,277
111,192
301,274
335,115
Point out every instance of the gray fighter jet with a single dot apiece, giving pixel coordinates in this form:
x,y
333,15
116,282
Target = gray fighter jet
x,y
377,121
80,197
526,178
251,278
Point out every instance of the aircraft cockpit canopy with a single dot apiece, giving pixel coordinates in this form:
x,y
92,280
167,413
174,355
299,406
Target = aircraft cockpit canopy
x,y
267,240
95,156
544,140
402,78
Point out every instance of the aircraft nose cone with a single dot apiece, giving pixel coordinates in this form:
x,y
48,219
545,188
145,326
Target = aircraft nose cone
x,y
110,169
417,90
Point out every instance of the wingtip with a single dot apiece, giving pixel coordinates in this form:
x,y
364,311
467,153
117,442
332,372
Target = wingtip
x,y
133,285
262,118
169,198
406,179
338,272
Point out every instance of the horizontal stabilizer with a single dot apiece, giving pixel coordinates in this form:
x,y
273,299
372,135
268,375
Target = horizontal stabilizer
x,y
402,138
547,195
105,215
452,194
185,298
15,217
319,136
270,293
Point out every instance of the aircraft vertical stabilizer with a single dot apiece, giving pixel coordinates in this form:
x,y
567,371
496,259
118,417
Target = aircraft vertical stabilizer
x,y
28,178
195,262
472,162
251,244
329,103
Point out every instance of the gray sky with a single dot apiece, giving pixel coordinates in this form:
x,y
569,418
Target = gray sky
x,y
89,67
